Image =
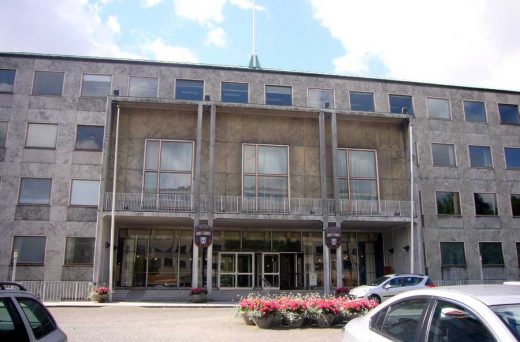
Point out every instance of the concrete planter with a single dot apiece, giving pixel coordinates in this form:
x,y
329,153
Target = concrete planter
x,y
199,298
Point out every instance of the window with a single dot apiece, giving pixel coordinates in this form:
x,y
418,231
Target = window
x,y
512,156
475,111
491,253
48,83
265,171
84,192
234,92
438,108
168,167
35,191
518,253
509,114
448,203
89,138
7,80
189,90
79,251
443,154
41,135
403,319
11,324
31,249
319,98
361,101
486,204
515,204
3,133
452,254
278,95
38,317
480,156
401,104
143,86
96,85
357,174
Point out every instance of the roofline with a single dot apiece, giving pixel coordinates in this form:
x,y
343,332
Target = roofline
x,y
243,69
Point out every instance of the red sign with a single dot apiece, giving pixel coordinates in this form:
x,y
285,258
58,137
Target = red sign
x,y
203,235
333,237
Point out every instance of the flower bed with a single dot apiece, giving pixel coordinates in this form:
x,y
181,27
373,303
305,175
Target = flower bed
x,y
298,310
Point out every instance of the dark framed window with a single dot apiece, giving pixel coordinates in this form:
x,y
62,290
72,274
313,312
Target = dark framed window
x,y
265,171
486,204
491,253
509,114
475,111
7,80
48,83
189,90
518,253
452,254
84,192
480,156
448,203
41,135
89,138
320,98
31,249
358,177
512,156
35,191
443,154
96,85
438,108
361,101
143,86
234,92
278,95
515,204
79,251
3,133
401,104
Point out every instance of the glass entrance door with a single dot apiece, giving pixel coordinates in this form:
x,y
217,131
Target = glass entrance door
x,y
236,270
271,270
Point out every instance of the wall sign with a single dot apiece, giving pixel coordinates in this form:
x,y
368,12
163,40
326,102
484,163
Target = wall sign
x,y
333,236
203,235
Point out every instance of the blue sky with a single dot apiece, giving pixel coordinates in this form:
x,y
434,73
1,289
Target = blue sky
x,y
462,42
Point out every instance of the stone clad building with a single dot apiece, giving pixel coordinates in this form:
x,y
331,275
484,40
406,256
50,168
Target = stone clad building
x,y
268,159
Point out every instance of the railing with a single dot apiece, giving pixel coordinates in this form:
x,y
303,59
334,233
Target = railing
x,y
466,282
56,291
267,205
150,202
374,208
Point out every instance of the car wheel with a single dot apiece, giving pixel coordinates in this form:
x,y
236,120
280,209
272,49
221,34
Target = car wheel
x,y
375,298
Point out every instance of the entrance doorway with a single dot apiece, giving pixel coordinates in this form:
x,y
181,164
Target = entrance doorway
x,y
291,271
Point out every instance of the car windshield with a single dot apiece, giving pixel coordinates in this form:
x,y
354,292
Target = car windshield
x,y
510,314
379,281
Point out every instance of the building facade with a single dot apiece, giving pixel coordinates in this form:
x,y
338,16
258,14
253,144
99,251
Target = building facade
x,y
107,167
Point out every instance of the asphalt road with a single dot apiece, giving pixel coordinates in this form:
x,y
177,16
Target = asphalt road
x,y
116,323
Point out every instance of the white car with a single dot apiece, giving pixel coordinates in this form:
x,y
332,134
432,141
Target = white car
x,y
443,314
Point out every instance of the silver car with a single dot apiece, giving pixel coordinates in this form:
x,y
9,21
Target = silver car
x,y
443,314
24,318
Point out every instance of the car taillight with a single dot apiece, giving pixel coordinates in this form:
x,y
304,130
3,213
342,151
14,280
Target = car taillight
x,y
429,283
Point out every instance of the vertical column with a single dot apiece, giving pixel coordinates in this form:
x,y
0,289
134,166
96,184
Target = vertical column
x,y
412,245
196,198
335,182
211,194
323,186
112,216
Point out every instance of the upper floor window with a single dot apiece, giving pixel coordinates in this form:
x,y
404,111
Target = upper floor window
x,y
361,101
480,156
31,249
89,138
509,114
189,90
48,83
7,80
491,253
512,156
401,104
143,86
35,191
84,192
79,251
452,254
475,111
320,98
3,133
438,108
96,85
41,135
168,167
486,204
265,171
448,203
234,92
515,204
443,154
278,95
357,173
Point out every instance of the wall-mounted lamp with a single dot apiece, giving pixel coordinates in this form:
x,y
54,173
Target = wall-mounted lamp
x,y
327,105
116,92
207,98
406,248
391,251
107,244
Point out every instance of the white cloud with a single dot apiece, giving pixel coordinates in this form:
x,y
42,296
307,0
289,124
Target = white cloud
x,y
246,5
468,42
205,12
113,24
216,37
165,52
150,3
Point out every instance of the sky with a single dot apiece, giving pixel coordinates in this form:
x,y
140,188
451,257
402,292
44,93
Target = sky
x,y
461,42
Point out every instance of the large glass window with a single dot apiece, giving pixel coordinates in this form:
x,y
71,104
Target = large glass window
x,y
143,86
509,114
512,156
79,251
48,83
403,319
452,254
448,203
491,253
234,92
84,192
189,90
475,111
361,101
401,104
96,85
265,171
319,98
438,108
7,80
515,204
443,154
486,204
31,249
357,174
89,138
480,156
278,95
41,135
35,191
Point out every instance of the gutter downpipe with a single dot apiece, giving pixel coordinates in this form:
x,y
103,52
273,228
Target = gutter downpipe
x,y
410,130
112,214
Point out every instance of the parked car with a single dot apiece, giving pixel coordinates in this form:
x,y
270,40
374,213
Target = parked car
x,y
447,314
390,285
24,318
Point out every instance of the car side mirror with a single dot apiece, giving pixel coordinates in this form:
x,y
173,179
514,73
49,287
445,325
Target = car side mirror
x,y
387,286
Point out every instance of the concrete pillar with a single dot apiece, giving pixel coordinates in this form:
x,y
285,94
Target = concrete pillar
x,y
323,185
211,194
196,197
335,182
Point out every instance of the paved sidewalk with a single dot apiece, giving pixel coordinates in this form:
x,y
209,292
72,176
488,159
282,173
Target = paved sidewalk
x,y
86,304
